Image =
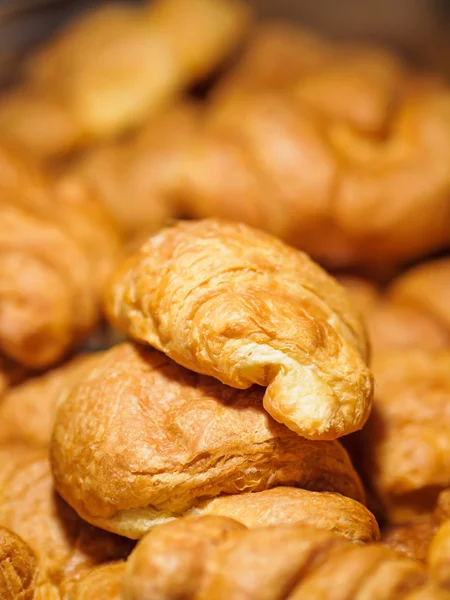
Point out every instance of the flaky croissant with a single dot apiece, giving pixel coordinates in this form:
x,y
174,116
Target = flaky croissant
x,y
228,301
216,558
287,505
135,179
63,544
27,411
113,67
411,539
56,248
344,155
18,568
141,440
406,442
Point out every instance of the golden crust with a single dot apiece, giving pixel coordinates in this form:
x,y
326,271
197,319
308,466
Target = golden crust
x,y
209,558
411,539
407,439
394,320
426,287
27,411
63,544
18,568
102,583
135,178
56,249
113,67
439,556
142,440
442,508
285,505
229,301
318,147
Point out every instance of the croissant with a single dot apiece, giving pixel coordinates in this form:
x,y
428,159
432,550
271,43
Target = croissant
x,y
439,556
396,320
113,67
229,301
63,544
27,411
57,247
411,539
286,505
342,153
140,440
18,568
103,582
135,178
405,445
216,558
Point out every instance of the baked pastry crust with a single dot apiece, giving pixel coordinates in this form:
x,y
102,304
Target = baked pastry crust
x,y
27,411
211,557
287,505
18,568
113,67
407,438
341,151
56,248
141,440
234,303
63,544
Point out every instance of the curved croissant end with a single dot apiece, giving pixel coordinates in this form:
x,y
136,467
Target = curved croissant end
x,y
231,302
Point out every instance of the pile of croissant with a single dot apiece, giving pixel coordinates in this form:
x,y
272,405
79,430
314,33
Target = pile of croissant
x,y
224,314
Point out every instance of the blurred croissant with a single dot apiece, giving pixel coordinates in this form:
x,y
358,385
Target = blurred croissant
x,y
217,558
439,550
406,443
135,179
340,151
140,441
28,410
64,545
414,310
56,248
229,301
113,67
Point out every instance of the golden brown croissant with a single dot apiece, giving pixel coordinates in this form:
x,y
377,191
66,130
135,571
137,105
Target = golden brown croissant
x,y
394,320
411,539
18,568
27,411
56,246
344,155
63,544
116,65
135,178
229,301
287,505
103,582
406,442
439,556
141,440
215,558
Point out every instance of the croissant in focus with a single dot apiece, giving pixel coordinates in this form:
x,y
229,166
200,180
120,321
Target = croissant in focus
x,y
229,301
56,248
18,568
64,545
113,67
338,150
215,557
406,442
140,441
